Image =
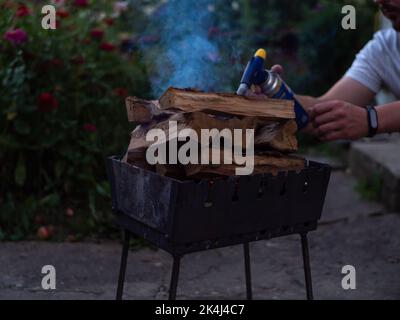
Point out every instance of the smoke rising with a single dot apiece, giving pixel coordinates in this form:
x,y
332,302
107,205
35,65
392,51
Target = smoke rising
x,y
185,55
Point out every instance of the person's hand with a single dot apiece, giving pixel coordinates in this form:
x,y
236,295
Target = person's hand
x,y
277,69
335,119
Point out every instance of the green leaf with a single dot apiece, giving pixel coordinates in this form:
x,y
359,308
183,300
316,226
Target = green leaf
x,y
20,172
103,189
92,205
51,200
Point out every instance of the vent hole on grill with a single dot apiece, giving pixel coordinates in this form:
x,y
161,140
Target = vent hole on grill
x,y
283,190
208,204
305,187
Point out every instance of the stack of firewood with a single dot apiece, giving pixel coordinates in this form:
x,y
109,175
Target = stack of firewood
x,y
272,121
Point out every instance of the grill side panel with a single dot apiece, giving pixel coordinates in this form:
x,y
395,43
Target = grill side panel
x,y
255,204
141,194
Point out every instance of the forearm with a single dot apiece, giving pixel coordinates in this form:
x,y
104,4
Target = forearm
x,y
345,89
389,117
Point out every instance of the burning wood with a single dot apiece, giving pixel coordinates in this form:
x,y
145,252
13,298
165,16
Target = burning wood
x,y
227,119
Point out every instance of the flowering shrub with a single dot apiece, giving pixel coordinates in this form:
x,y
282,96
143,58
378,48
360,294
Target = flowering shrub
x,y
62,91
62,113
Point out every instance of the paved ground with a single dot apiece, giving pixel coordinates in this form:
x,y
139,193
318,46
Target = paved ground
x,y
352,232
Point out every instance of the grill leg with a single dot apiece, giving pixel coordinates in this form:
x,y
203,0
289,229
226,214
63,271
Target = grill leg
x,y
174,278
124,256
307,268
247,268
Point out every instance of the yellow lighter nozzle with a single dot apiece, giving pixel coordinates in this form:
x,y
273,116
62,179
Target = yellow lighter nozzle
x,y
261,53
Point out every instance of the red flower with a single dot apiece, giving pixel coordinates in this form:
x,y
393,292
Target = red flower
x,y
105,46
89,127
121,92
22,11
81,3
62,13
97,33
56,62
16,36
46,102
109,21
43,233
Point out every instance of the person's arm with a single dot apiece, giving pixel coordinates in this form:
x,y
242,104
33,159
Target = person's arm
x,y
346,89
389,117
336,119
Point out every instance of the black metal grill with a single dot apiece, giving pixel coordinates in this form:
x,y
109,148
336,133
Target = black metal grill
x,y
181,217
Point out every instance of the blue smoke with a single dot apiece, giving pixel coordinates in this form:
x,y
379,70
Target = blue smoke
x,y
185,56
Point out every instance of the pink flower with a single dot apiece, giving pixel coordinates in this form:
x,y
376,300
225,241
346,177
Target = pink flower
x,y
59,3
16,36
46,102
119,7
69,212
89,127
81,3
105,46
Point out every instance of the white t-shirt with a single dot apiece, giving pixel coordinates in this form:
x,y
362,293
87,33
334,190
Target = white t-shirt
x,y
379,62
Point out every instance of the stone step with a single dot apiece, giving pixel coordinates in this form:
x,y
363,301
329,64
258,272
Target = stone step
x,y
378,162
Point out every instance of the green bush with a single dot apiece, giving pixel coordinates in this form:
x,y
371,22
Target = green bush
x,y
61,114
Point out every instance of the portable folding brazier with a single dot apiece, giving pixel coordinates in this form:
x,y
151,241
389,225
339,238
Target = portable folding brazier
x,y
182,217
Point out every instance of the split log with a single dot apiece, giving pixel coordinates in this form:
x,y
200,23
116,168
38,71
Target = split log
x,y
190,100
278,136
144,111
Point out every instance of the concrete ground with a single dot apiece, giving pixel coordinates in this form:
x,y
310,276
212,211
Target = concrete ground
x,y
352,232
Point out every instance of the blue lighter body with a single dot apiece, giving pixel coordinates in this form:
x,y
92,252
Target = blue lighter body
x,y
271,84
